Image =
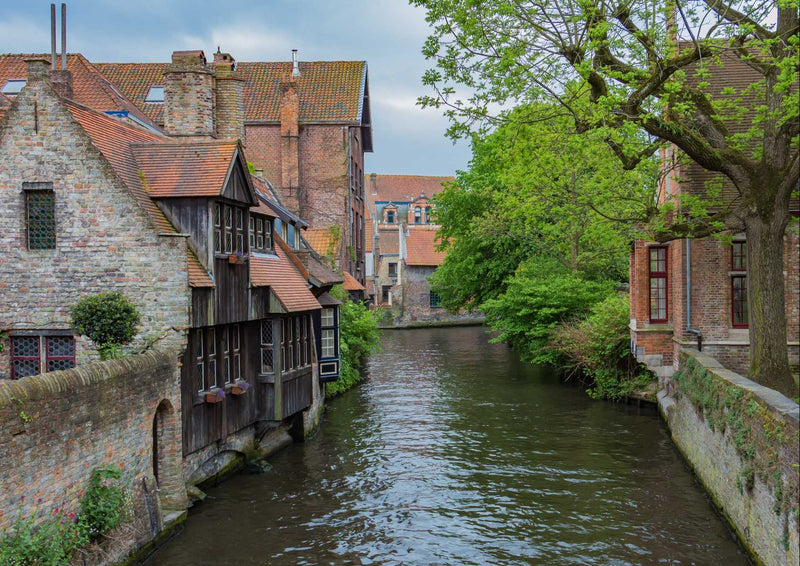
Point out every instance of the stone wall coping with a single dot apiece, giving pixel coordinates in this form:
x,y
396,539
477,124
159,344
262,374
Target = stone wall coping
x,y
775,401
662,328
38,387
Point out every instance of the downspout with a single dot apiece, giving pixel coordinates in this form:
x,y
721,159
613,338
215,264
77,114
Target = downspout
x,y
689,329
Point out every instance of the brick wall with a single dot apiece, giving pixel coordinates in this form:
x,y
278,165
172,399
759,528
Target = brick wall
x,y
189,96
56,428
414,304
104,241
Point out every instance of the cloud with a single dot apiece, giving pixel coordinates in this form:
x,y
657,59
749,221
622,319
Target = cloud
x,y
246,42
22,35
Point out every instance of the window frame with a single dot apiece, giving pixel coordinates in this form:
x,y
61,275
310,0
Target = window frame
x,y
418,215
267,346
329,328
434,299
30,190
43,356
739,300
658,275
229,229
390,216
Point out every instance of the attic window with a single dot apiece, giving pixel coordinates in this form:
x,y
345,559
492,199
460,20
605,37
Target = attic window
x,y
155,94
13,86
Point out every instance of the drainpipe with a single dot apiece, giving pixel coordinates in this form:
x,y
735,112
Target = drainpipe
x,y
689,329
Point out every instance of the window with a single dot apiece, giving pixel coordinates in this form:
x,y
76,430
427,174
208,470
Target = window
x,y
155,94
200,358
427,215
13,87
435,300
393,269
390,216
328,332
417,215
658,284
237,358
229,237
260,234
211,360
29,354
266,346
40,215
385,290
739,309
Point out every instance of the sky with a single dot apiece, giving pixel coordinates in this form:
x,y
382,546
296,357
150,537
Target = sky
x,y
388,34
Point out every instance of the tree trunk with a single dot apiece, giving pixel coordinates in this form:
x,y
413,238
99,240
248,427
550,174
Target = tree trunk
x,y
769,353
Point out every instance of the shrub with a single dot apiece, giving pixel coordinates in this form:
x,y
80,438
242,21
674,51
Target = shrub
x,y
359,336
108,319
597,348
538,298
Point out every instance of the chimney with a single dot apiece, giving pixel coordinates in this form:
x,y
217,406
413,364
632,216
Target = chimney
x,y
62,83
60,79
189,96
290,143
295,65
373,183
38,69
230,97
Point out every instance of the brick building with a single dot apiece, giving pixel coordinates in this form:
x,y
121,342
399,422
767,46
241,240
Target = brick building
x,y
97,200
693,292
306,129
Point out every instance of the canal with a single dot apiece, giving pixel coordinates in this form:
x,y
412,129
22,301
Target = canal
x,y
455,452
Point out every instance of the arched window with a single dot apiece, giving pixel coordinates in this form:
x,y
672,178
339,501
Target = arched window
x,y
427,215
417,215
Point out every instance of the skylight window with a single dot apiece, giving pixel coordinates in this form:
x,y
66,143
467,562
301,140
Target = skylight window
x,y
13,86
155,94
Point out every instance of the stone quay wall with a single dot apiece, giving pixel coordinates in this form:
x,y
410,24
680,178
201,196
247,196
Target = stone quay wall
x,y
57,427
741,439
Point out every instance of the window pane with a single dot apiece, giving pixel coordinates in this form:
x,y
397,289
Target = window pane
x,y
327,317
41,219
328,344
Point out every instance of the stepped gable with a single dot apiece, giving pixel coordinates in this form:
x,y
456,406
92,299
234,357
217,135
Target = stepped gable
x,y
90,88
328,91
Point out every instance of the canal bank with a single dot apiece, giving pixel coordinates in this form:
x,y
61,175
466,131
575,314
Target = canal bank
x,y
454,451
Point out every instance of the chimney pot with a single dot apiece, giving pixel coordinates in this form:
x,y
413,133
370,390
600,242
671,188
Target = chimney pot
x,y
295,65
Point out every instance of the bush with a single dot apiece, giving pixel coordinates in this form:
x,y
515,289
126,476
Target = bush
x,y
359,336
56,538
108,319
538,298
597,348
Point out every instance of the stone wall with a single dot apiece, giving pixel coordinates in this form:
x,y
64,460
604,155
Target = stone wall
x,y
741,439
411,302
55,428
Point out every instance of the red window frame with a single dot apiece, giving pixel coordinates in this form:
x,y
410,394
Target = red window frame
x,y
739,256
658,274
43,356
739,309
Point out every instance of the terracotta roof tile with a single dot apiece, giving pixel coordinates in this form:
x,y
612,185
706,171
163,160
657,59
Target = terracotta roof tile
x,y
186,168
198,276
278,273
421,247
369,233
389,241
329,91
321,273
403,188
321,241
351,284
114,140
89,86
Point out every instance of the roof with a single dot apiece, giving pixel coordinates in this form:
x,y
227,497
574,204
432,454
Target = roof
x,y
198,276
328,91
351,284
403,188
421,247
321,273
389,241
321,241
186,168
89,86
278,273
369,233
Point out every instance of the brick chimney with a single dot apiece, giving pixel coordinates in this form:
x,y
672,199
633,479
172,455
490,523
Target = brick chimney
x,y
189,96
230,97
62,83
38,69
290,145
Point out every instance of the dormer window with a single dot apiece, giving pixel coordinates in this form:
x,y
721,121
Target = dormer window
x,y
260,234
390,216
155,94
427,215
417,215
13,87
229,234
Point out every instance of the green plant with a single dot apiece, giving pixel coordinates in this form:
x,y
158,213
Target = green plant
x,y
52,540
108,319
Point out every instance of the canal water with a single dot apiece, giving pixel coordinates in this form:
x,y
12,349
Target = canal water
x,y
454,452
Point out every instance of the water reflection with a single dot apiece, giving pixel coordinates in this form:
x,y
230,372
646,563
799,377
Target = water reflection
x,y
454,452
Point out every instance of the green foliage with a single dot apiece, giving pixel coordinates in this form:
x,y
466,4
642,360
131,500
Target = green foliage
x,y
53,540
597,348
359,336
108,319
540,295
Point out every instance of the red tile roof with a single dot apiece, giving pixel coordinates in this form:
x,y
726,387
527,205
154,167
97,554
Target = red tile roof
x,y
186,168
328,91
321,241
421,247
403,188
389,241
89,86
198,276
351,284
369,233
278,273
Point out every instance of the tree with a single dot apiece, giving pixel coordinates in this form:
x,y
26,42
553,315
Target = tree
x,y
644,89
108,319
